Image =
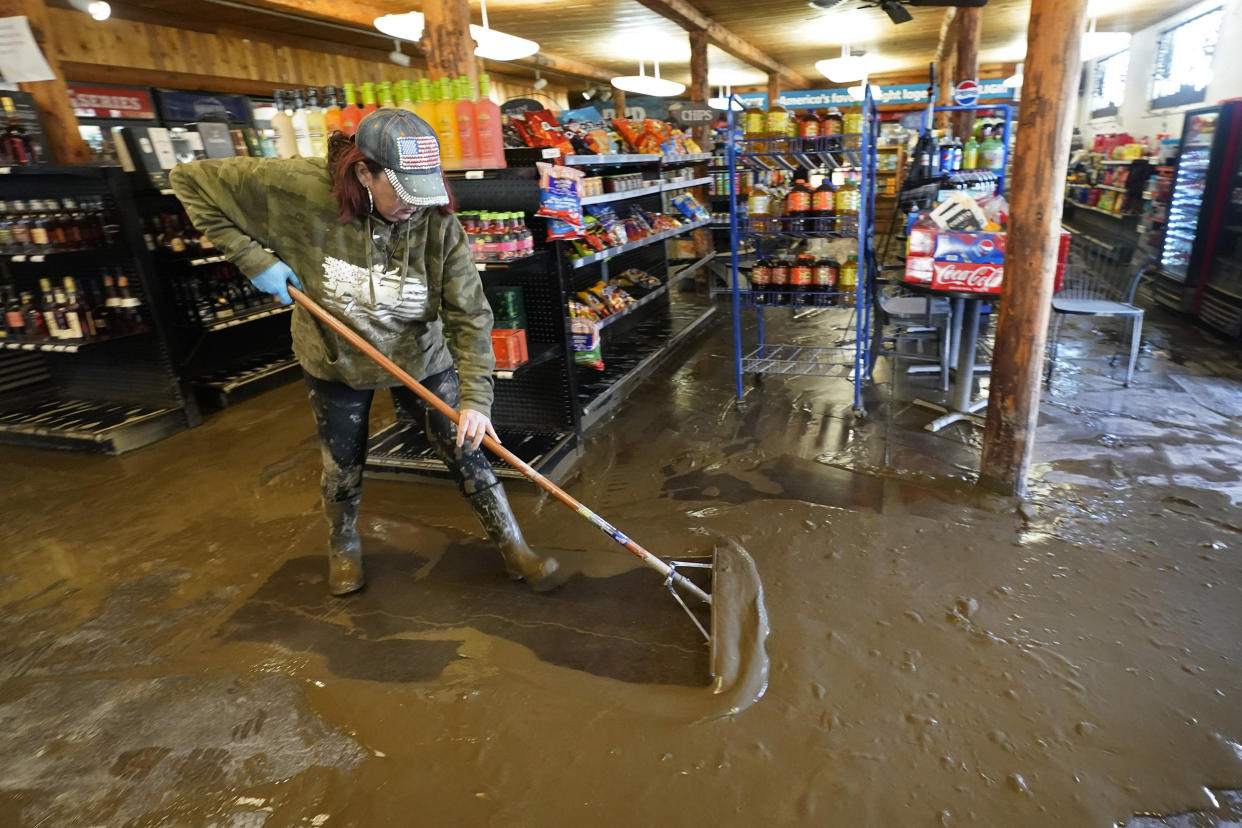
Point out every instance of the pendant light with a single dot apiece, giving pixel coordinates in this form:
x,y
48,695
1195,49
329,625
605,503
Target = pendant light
x,y
97,9
1102,44
1014,81
846,68
721,101
644,84
489,43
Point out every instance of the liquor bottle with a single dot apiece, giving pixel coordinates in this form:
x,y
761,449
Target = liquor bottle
x,y
58,221
40,238
466,134
99,312
33,320
66,318
526,239
487,127
204,310
22,225
368,101
189,236
112,307
220,299
51,314
14,323
79,310
73,225
6,229
301,127
446,126
16,146
282,127
350,113
171,239
131,307
331,113
316,124
405,95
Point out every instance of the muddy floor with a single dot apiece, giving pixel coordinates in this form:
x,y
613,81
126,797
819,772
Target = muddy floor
x,y
938,656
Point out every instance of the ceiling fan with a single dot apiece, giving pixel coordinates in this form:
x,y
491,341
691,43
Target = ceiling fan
x,y
896,9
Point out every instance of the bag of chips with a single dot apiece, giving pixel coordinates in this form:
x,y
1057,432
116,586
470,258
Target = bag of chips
x,y
587,351
558,196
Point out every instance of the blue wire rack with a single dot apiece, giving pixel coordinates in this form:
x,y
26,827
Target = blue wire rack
x,y
843,352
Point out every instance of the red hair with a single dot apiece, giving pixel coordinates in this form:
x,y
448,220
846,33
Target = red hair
x,y
343,155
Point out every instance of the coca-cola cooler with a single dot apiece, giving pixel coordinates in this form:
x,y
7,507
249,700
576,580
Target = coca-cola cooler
x,y
1200,269
970,262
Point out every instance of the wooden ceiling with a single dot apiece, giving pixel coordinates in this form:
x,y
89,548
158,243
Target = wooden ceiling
x,y
616,34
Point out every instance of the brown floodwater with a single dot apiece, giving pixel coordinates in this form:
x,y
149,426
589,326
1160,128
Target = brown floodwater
x,y
936,656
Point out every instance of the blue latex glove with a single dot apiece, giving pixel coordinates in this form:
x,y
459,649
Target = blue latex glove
x,y
274,281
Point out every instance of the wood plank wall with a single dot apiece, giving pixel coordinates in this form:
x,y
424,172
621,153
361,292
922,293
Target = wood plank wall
x,y
140,53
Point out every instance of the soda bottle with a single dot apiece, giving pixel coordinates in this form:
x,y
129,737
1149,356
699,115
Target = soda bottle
x,y
834,122
350,113
970,154
824,281
848,281
761,281
824,203
800,279
992,152
957,154
946,155
780,281
798,207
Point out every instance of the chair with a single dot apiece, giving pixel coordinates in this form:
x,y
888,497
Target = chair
x,y
918,319
1099,281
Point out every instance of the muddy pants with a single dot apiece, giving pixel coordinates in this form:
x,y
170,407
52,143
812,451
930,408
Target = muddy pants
x,y
341,413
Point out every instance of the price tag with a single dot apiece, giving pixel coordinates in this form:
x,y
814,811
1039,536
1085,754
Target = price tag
x,y
480,266
19,258
38,258
5,170
551,152
473,175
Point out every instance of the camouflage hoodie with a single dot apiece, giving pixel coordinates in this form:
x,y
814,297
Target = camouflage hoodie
x,y
390,282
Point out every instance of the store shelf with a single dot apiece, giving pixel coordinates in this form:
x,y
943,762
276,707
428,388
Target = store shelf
x,y
798,299
691,158
61,347
66,258
398,451
242,319
224,388
672,186
827,226
633,356
505,263
1113,163
638,192
88,425
610,160
612,252
1102,212
539,353
801,360
1109,187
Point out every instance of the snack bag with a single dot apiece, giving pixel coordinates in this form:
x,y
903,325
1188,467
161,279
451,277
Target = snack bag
x,y
546,131
595,302
558,194
689,207
558,229
631,133
585,334
577,310
616,298
601,142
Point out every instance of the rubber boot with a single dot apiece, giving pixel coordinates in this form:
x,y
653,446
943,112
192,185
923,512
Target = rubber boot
x,y
344,547
492,508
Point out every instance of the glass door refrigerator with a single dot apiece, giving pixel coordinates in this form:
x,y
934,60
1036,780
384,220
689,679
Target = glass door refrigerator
x,y
1206,168
1219,300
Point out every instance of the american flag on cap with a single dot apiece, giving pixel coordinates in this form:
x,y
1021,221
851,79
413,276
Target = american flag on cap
x,y
418,152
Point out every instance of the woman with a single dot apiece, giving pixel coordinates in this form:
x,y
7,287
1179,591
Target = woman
x,y
359,231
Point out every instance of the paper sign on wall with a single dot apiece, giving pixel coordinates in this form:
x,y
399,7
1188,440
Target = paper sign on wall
x,y
21,59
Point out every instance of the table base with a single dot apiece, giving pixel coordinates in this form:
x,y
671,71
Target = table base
x,y
951,416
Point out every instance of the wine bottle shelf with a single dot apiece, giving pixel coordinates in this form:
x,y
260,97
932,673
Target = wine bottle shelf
x,y
243,318
539,354
88,425
59,347
65,258
396,451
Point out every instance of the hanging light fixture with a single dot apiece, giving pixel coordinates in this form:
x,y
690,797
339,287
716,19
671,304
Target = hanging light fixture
x,y
1101,44
721,101
644,84
846,68
859,92
97,9
1014,81
489,43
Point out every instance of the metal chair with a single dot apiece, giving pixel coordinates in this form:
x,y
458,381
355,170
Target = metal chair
x,y
1100,280
916,320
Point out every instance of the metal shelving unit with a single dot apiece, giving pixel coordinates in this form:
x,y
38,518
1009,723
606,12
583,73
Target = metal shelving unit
x,y
846,353
108,395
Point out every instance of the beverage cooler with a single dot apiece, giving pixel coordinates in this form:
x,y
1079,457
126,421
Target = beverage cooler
x,y
1200,268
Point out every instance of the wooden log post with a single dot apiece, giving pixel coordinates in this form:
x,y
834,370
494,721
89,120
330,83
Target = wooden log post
x,y
946,64
618,102
447,43
774,89
700,92
1042,153
51,97
966,64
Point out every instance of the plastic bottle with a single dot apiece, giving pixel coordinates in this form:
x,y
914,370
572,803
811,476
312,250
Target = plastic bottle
x,y
970,154
761,281
776,126
848,281
316,124
368,100
798,206
824,279
446,126
405,95
759,208
780,281
466,133
849,198
992,153
331,111
282,127
488,128
834,122
350,113
383,95
824,200
301,130
800,280
425,106
754,122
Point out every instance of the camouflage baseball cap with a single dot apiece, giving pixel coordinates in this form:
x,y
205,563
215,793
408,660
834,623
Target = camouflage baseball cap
x,y
408,149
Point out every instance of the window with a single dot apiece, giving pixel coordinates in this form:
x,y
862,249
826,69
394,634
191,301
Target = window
x,y
1183,65
1110,84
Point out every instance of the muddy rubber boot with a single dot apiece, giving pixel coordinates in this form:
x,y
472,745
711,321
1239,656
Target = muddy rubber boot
x,y
344,547
492,508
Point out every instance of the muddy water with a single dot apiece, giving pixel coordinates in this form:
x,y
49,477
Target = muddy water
x,y
937,656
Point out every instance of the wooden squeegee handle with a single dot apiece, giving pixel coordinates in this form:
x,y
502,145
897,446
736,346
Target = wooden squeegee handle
x,y
353,338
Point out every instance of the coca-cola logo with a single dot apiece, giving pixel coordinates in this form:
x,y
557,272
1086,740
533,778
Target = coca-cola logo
x,y
977,278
